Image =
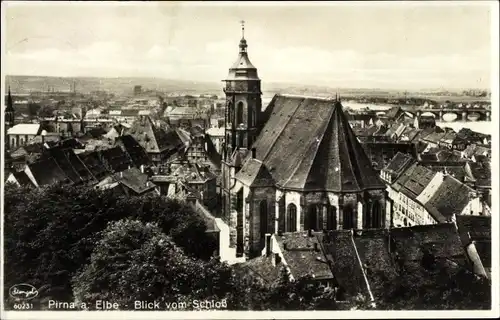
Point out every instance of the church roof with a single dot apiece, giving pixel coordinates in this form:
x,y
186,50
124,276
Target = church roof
x,y
308,144
255,174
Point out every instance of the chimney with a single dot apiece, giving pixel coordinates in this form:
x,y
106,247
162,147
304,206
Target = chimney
x,y
147,184
310,232
121,174
142,168
254,152
268,244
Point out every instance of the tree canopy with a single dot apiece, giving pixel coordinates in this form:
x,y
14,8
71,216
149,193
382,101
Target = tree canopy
x,y
50,232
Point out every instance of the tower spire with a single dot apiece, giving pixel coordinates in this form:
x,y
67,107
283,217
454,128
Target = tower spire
x,y
9,111
242,22
9,106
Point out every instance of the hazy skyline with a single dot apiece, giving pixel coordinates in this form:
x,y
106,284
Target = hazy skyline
x,y
342,45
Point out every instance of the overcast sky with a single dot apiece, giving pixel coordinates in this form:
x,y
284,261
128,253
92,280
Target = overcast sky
x,y
367,45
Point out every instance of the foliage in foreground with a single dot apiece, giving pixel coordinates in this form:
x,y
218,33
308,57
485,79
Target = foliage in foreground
x,y
51,232
137,262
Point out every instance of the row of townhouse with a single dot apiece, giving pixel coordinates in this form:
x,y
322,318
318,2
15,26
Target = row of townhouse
x,y
420,195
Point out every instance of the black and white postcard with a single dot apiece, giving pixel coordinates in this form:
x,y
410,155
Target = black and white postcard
x,y
183,159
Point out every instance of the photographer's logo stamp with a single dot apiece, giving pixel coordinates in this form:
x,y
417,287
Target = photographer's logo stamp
x,y
23,292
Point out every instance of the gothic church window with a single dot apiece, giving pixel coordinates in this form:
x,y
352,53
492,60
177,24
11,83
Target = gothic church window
x,y
312,218
291,220
331,219
348,217
239,113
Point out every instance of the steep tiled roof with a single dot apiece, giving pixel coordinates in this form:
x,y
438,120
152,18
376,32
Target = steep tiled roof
x,y
439,240
424,133
474,227
469,150
154,139
399,164
60,156
397,128
372,246
94,164
416,181
47,172
301,257
447,155
116,159
381,153
385,255
471,136
70,143
135,150
482,150
308,144
481,173
409,134
429,157
449,137
457,171
261,267
394,112
135,180
340,248
434,137
450,198
255,174
22,178
80,168
421,146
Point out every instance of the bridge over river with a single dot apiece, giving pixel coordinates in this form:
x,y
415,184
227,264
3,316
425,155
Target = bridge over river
x,y
452,114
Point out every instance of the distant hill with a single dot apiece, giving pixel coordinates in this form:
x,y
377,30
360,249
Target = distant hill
x,y
125,86
25,84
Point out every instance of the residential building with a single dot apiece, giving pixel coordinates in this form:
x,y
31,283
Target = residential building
x,y
381,153
130,182
20,134
422,196
159,143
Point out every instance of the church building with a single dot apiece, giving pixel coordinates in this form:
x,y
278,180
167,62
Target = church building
x,y
295,166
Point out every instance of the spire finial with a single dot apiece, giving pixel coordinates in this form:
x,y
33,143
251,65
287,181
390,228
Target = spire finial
x,y
242,22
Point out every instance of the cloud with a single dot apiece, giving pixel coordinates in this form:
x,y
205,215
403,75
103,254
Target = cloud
x,y
308,65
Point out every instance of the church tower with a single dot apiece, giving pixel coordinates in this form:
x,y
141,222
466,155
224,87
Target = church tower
x,y
242,119
243,102
9,112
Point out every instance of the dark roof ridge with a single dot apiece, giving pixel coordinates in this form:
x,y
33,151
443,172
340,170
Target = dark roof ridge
x,y
298,96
